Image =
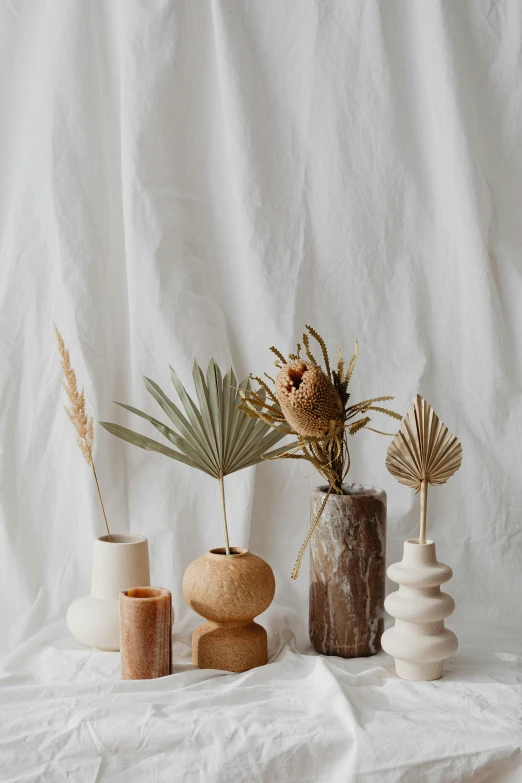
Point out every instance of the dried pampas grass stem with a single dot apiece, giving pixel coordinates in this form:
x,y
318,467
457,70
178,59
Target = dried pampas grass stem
x,y
83,424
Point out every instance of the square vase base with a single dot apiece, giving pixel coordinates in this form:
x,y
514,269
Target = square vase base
x,y
418,672
232,648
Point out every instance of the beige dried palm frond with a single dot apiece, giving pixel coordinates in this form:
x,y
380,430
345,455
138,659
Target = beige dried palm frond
x,y
423,452
82,423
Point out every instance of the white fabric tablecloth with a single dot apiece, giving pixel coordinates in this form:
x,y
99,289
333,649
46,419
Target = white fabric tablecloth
x,y
66,715
187,179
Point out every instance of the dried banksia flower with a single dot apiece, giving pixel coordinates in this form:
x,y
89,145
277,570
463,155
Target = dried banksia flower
x,y
313,405
83,424
308,399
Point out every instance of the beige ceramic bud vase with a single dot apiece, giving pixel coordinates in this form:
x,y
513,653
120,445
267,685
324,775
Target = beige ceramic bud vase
x,y
423,452
418,641
118,564
229,591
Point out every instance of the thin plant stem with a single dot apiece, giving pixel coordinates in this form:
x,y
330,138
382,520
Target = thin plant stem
x,y
224,510
424,505
101,501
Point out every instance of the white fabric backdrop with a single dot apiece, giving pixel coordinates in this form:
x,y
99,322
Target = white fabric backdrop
x,y
201,178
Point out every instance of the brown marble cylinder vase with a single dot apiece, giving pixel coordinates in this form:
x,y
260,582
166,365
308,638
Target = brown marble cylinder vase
x,y
229,591
348,571
145,633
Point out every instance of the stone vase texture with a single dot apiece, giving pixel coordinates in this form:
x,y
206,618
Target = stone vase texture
x,y
418,641
348,571
229,591
118,564
145,633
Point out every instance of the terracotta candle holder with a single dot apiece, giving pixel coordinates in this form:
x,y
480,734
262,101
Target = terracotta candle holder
x,y
145,633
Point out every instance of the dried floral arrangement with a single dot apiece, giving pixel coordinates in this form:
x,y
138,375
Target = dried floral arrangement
x,y
82,423
312,404
216,438
423,452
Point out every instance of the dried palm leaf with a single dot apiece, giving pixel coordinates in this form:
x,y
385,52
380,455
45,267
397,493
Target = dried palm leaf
x,y
358,425
322,345
278,354
423,452
215,436
353,361
306,343
297,566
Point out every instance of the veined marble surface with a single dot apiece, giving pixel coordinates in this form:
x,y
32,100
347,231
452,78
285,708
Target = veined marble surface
x,y
347,572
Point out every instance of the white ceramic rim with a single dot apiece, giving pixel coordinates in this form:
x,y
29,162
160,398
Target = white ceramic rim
x,y
123,539
418,543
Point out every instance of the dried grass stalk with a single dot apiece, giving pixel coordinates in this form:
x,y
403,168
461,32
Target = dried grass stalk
x,y
83,424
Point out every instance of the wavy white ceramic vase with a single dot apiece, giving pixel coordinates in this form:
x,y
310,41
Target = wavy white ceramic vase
x,y
117,565
418,641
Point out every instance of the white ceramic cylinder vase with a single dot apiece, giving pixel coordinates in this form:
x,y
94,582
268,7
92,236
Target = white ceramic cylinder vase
x,y
118,564
418,641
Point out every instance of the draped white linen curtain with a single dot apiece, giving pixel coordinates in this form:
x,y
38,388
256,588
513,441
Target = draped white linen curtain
x,y
200,178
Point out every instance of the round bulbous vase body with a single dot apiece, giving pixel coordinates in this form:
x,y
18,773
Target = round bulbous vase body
x,y
348,571
118,564
229,591
418,641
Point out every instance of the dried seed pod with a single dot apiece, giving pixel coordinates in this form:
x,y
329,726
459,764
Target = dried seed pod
x,y
308,399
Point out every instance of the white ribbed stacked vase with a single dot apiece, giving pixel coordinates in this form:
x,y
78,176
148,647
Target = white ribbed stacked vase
x,y
418,641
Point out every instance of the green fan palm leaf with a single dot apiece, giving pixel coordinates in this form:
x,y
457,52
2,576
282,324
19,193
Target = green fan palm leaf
x,y
184,445
194,416
215,435
147,443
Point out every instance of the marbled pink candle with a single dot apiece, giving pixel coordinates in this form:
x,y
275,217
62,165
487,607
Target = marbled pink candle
x,y
145,633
